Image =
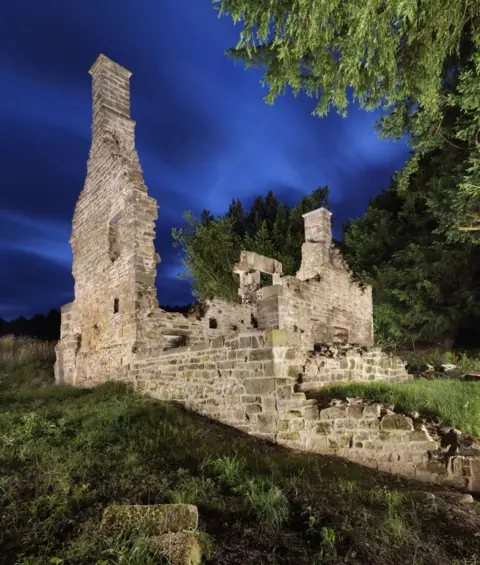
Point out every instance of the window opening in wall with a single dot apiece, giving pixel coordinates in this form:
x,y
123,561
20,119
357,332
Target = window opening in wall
x,y
254,321
116,305
114,238
171,341
340,335
78,343
212,324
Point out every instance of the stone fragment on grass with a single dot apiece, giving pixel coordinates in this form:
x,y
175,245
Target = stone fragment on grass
x,y
162,518
455,497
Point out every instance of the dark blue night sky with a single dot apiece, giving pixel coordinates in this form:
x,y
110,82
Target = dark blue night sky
x,y
204,133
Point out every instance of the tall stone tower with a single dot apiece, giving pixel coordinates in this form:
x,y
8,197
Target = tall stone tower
x,y
114,259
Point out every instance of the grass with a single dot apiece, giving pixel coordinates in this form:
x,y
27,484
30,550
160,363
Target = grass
x,y
66,453
453,402
436,357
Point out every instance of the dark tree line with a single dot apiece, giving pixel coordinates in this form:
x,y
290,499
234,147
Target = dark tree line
x,y
40,326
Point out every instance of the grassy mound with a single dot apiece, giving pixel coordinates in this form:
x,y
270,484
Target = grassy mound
x,y
66,454
455,403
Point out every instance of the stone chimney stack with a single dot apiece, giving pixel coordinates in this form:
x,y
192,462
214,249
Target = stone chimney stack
x,y
110,90
318,226
317,244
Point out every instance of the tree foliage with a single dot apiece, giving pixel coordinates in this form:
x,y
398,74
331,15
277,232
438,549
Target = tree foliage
x,y
210,246
420,60
425,287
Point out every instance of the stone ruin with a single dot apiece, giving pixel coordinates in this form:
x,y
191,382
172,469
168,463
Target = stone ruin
x,y
247,364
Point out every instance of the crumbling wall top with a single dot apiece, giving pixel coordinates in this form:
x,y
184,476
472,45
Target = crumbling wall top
x,y
250,261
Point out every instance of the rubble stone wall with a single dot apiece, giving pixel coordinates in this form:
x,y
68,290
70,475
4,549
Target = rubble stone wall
x,y
369,435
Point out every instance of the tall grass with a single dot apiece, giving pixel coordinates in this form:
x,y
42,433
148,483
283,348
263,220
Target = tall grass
x,y
24,349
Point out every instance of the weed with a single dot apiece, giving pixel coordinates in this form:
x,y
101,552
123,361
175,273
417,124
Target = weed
x,y
266,503
328,548
193,490
206,545
346,487
137,550
229,471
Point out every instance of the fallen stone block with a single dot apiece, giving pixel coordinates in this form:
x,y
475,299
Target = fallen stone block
x,y
180,548
163,518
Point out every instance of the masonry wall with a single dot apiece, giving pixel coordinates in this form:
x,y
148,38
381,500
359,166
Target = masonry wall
x,y
387,442
250,382
323,311
230,380
351,364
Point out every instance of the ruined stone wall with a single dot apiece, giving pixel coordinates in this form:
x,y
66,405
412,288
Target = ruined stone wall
x,y
250,382
369,435
219,377
351,364
230,380
213,319
325,311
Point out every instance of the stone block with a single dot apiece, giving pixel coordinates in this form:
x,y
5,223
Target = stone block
x,y
277,338
249,399
245,342
283,425
394,436
260,386
372,411
420,435
266,423
253,409
355,412
318,444
181,548
290,354
311,412
396,422
257,342
437,467
267,368
283,392
217,343
269,404
297,425
338,441
165,517
324,427
346,424
293,414
260,355
333,412
289,436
